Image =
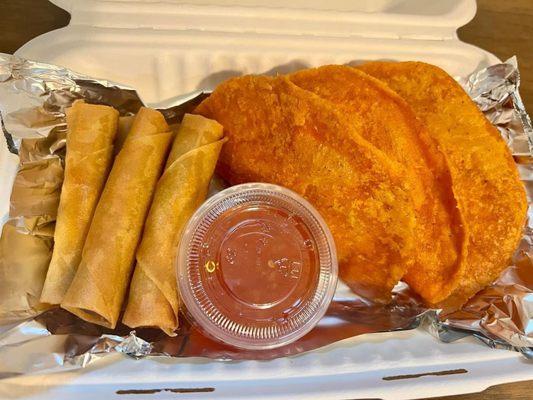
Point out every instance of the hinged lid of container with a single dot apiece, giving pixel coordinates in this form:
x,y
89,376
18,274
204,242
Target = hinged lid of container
x,y
171,47
167,48
421,19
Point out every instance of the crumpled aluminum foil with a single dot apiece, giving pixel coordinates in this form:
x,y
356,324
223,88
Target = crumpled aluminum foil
x,y
495,91
33,98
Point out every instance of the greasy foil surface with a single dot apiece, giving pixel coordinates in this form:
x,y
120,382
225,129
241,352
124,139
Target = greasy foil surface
x,y
33,98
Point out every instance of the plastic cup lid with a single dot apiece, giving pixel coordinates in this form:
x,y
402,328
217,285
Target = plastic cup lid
x,y
256,266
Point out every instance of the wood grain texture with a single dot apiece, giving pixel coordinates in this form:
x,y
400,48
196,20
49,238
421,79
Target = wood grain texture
x,y
22,20
504,28
509,391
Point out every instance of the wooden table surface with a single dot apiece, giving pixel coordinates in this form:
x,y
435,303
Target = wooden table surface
x,y
504,28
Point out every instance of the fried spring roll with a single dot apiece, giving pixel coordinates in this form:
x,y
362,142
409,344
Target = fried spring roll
x,y
153,299
91,133
124,127
99,287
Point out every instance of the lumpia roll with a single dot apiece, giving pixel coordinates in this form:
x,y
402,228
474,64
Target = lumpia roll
x,y
91,131
153,299
98,289
124,128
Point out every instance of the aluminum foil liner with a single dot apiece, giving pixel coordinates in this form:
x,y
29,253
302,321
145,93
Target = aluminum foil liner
x,y
33,98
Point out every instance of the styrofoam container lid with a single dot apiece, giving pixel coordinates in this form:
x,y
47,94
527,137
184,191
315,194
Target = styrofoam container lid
x,y
168,48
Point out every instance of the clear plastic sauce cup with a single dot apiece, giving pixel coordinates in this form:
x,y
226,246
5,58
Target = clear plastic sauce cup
x,y
256,266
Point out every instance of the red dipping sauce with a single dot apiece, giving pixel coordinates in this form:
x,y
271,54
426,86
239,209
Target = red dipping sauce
x,y
257,266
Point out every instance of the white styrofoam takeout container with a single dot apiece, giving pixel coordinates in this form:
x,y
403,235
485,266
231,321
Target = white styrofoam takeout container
x,y
168,48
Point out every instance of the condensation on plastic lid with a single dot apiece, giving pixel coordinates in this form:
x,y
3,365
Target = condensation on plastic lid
x,y
256,266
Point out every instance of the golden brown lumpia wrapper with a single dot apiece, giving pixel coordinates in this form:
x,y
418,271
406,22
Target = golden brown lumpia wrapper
x,y
489,193
24,259
153,299
124,127
98,289
91,133
27,239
